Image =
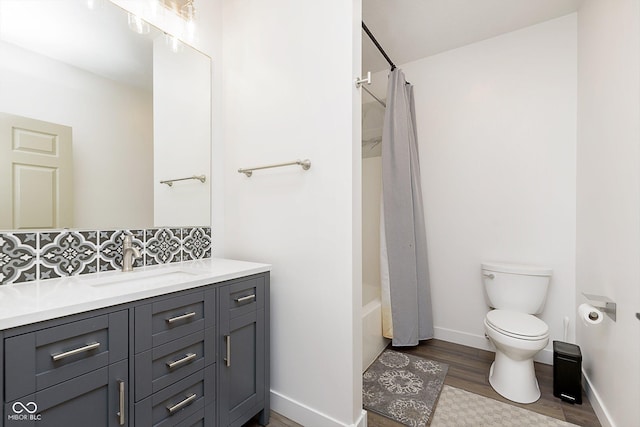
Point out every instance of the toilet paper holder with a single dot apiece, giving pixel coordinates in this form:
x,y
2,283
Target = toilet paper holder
x,y
609,307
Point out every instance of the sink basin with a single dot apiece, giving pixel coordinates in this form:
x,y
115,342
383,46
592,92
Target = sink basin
x,y
142,278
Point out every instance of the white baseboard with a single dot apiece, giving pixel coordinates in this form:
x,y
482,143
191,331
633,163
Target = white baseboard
x,y
307,416
596,403
362,421
483,343
464,338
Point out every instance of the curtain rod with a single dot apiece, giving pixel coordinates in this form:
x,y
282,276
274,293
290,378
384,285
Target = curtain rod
x,y
373,39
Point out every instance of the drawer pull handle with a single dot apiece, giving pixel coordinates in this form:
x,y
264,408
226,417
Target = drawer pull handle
x,y
121,419
227,359
87,347
181,317
247,298
189,399
188,358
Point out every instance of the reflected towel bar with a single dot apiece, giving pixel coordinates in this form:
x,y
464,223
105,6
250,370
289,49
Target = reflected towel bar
x,y
169,182
306,164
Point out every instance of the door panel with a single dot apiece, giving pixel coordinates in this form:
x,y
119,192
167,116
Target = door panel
x,y
34,196
36,170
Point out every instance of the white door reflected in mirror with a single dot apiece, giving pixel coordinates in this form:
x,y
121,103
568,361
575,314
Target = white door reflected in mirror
x,y
37,174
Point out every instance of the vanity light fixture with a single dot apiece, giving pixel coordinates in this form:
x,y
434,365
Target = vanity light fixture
x,y
188,11
189,14
153,7
185,9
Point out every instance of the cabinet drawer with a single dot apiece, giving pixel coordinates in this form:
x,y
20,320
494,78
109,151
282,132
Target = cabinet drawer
x,y
242,297
168,363
162,321
203,418
178,402
40,359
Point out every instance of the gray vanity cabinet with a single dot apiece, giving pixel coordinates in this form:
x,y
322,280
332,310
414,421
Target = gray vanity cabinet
x,y
197,357
243,387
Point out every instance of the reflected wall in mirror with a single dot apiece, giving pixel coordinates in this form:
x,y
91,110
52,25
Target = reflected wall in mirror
x,y
137,106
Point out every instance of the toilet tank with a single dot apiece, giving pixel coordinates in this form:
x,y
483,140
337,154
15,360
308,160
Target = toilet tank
x,y
517,287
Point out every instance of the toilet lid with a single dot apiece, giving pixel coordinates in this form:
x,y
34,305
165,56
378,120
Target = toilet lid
x,y
518,325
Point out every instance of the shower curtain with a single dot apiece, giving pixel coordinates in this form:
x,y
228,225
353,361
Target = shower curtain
x,y
406,297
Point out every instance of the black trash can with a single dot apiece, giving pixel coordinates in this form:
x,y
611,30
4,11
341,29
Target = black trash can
x,y
567,372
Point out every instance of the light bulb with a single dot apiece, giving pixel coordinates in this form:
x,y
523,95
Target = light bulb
x,y
189,11
174,43
138,24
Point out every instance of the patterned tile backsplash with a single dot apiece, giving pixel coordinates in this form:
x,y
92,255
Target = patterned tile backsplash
x,y
28,256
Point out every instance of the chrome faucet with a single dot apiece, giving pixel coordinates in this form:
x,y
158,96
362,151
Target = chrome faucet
x,y
129,253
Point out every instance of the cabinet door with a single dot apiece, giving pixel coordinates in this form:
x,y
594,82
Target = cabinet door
x,y
242,367
94,399
241,357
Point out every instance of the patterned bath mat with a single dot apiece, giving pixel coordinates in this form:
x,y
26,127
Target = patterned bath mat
x,y
403,387
459,408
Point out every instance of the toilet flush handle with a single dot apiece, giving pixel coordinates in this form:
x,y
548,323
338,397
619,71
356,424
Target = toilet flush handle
x,y
489,275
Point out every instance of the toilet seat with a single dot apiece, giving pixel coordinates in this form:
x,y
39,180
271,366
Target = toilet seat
x,y
517,325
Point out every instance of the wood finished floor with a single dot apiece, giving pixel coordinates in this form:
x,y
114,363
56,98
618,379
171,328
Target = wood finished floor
x,y
469,370
276,420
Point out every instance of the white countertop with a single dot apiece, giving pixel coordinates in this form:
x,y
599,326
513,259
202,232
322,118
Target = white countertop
x,y
25,303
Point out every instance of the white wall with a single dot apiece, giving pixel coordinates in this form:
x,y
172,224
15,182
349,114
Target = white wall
x,y
289,68
497,140
608,202
112,134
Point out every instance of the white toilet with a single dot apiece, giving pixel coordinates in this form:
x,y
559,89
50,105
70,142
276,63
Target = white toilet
x,y
516,292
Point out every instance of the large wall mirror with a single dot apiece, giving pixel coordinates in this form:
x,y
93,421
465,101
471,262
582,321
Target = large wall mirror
x,y
96,109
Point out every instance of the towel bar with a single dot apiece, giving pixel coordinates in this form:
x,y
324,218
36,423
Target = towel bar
x,y
306,164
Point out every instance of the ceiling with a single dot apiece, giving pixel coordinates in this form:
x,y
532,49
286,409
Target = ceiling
x,y
97,40
412,29
407,29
